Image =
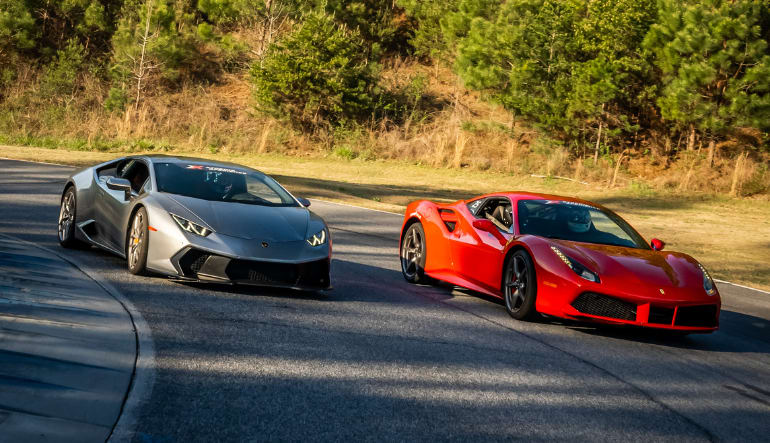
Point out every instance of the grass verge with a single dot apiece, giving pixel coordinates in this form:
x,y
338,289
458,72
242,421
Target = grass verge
x,y
730,236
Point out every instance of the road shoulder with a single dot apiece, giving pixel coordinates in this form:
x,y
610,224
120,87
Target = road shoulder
x,y
67,349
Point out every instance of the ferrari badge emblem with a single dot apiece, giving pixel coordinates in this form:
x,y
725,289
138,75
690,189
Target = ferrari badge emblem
x,y
662,291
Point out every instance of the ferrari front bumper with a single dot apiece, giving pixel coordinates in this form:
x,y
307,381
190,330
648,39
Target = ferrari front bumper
x,y
690,316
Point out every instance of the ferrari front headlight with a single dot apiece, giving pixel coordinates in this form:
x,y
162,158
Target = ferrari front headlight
x,y
191,227
708,282
576,266
317,239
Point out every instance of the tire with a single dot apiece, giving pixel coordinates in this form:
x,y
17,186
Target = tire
x,y
66,224
138,243
520,286
413,254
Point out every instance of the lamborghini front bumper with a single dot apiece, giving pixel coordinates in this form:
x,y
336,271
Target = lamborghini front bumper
x,y
198,265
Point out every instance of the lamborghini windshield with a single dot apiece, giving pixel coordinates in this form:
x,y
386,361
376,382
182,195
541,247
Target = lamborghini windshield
x,y
221,183
573,221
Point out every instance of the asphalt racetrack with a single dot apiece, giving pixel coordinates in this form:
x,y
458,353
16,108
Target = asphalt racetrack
x,y
379,359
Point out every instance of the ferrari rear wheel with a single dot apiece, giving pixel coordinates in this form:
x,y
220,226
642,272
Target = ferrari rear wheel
x,y
66,225
413,254
520,286
138,242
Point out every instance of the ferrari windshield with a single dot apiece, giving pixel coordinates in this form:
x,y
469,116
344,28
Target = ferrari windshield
x,y
573,221
221,183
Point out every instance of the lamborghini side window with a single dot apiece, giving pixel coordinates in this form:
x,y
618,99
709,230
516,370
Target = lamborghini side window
x,y
136,172
108,170
146,187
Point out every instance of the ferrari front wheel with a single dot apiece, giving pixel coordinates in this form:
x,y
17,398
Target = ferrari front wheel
x,y
138,242
413,254
520,286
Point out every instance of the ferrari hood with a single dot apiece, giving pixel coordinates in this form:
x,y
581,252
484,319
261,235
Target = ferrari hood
x,y
635,266
252,222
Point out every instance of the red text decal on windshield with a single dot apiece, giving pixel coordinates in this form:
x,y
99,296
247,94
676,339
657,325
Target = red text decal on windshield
x,y
215,169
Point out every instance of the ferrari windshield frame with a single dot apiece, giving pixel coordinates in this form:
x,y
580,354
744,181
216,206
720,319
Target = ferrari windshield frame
x,y
222,183
548,218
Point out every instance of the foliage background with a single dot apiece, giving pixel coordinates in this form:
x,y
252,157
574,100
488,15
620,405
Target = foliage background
x,y
661,94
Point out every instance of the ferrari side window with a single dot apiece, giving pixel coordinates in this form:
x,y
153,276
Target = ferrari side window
x,y
474,205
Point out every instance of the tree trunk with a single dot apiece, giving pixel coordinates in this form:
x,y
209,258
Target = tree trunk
x,y
598,141
141,72
691,139
711,150
514,143
737,173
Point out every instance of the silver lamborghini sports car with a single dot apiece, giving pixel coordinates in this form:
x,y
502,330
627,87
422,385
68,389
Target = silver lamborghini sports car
x,y
197,220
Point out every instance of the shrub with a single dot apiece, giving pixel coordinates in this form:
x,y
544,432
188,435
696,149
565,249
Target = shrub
x,y
318,75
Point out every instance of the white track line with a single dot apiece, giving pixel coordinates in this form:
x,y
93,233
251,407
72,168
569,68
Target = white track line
x,y
355,206
742,286
384,212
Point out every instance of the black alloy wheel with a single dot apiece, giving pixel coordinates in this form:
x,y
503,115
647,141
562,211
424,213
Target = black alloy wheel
x,y
138,243
520,286
413,254
66,225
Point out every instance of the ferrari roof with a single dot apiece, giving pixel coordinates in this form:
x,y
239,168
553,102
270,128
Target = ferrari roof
x,y
525,195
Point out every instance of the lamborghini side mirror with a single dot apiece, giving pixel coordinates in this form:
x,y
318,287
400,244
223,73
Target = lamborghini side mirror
x,y
657,244
120,184
303,201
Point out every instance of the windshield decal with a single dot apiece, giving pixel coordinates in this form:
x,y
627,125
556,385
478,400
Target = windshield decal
x,y
215,169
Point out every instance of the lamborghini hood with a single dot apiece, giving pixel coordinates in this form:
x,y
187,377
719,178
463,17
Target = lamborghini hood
x,y
251,222
644,267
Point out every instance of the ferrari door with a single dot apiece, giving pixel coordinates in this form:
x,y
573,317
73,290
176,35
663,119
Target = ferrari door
x,y
479,244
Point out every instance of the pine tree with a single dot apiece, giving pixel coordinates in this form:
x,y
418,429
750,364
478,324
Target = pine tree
x,y
714,65
147,44
520,54
318,75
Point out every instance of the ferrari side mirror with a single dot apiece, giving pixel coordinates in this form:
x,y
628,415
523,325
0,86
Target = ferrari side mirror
x,y
120,184
487,226
303,201
657,244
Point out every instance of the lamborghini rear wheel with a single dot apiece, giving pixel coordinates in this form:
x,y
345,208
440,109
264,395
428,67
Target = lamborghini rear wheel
x,y
520,286
413,252
138,242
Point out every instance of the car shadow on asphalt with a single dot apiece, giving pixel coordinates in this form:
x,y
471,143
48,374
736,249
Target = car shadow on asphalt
x,y
751,330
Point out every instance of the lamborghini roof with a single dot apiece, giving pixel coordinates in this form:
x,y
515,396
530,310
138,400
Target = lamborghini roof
x,y
160,158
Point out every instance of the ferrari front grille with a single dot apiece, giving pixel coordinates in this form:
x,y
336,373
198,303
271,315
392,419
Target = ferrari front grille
x,y
661,315
604,306
704,316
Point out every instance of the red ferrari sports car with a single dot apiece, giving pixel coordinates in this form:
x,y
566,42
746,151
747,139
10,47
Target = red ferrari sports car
x,y
557,256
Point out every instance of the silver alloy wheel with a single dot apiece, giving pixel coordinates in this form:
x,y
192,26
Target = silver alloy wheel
x,y
136,239
66,215
516,283
411,252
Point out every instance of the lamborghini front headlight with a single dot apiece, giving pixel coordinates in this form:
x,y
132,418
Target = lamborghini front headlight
x,y
191,227
317,239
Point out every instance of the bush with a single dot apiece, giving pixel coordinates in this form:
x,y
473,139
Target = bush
x,y
318,75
